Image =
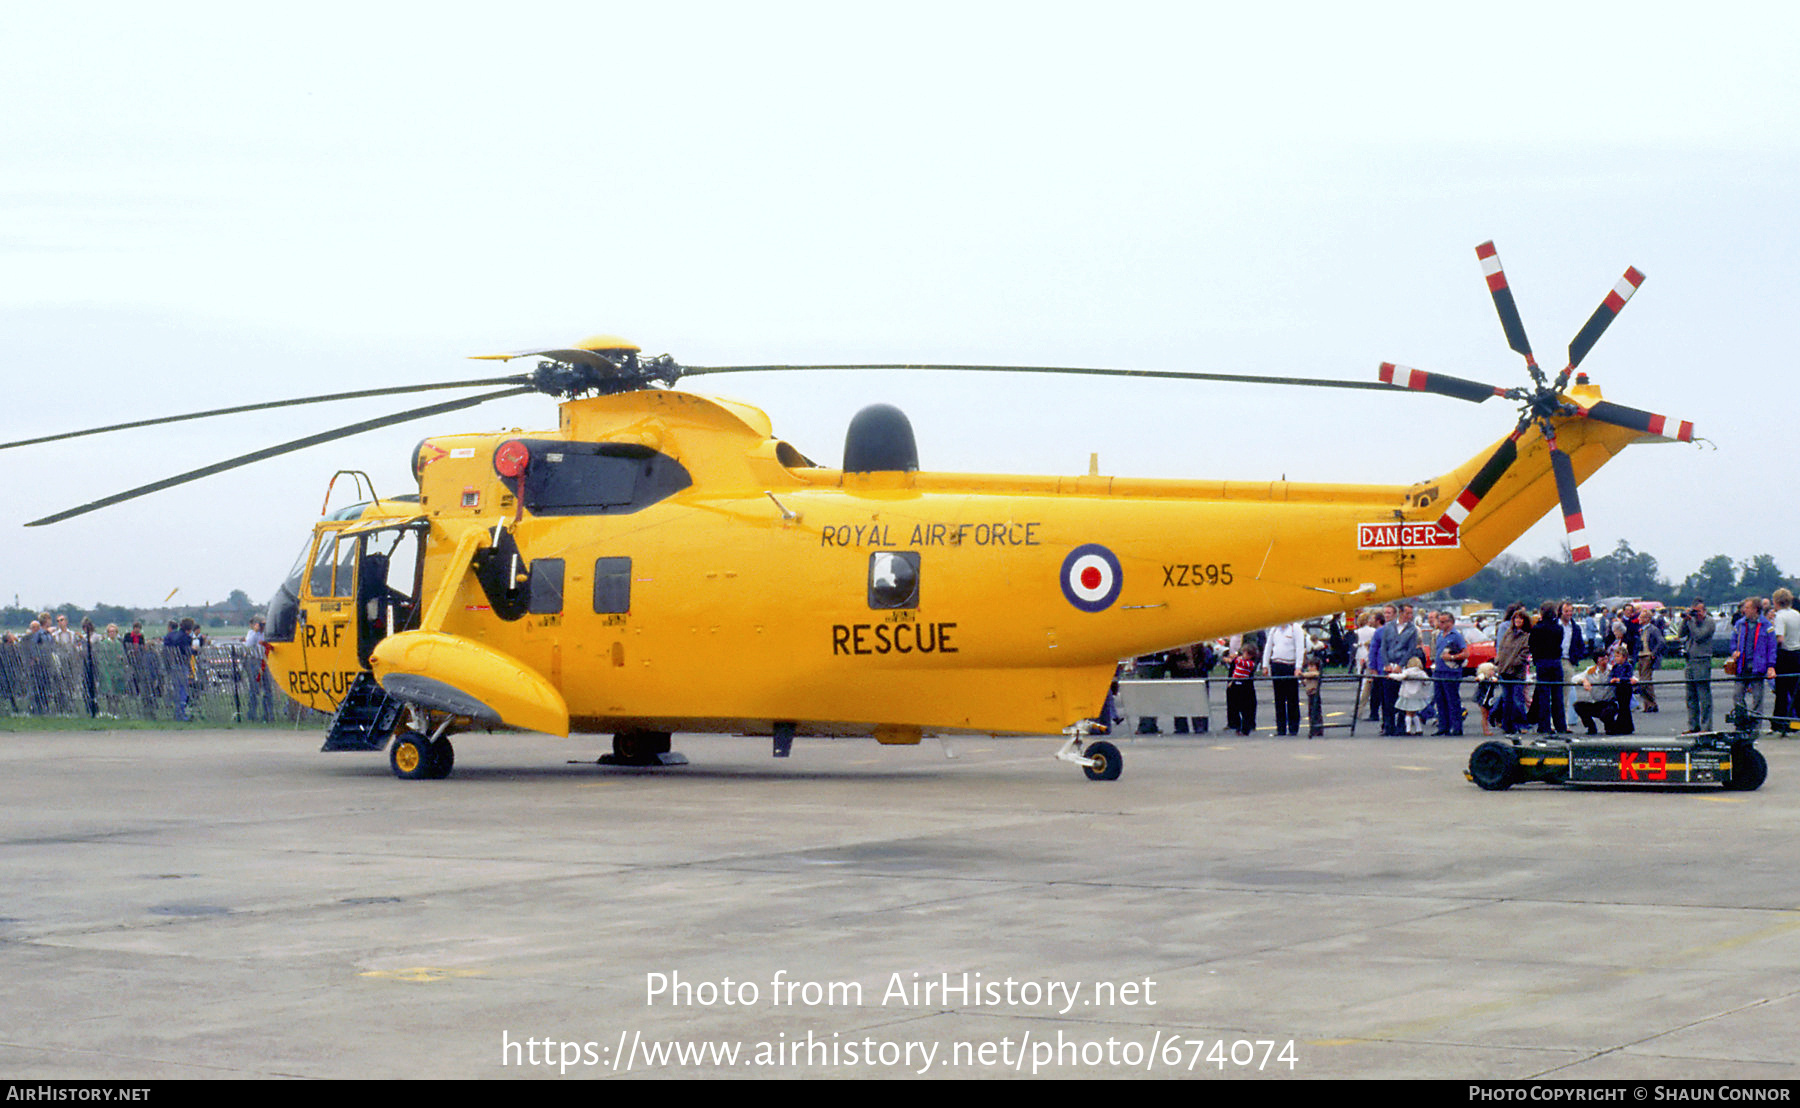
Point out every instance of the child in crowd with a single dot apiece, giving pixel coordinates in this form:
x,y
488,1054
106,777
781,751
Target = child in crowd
x,y
1240,694
1415,693
1487,683
1605,694
1315,706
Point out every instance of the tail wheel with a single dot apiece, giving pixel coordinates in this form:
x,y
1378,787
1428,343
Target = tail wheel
x,y
1107,762
410,757
1749,769
640,747
1494,766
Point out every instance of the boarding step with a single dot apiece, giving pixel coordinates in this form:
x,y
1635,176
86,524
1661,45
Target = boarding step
x,y
365,718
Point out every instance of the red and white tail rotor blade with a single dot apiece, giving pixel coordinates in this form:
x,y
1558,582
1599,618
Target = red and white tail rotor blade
x,y
1503,303
1674,430
1490,472
1598,322
1566,492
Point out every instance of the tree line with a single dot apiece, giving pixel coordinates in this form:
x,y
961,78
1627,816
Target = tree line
x,y
235,608
1720,580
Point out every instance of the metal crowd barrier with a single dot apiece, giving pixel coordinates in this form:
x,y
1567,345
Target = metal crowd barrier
x,y
1180,702
1722,702
108,679
1183,705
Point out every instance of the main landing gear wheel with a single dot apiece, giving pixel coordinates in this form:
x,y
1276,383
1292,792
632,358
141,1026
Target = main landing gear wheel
x,y
409,755
1107,762
414,757
443,758
1494,766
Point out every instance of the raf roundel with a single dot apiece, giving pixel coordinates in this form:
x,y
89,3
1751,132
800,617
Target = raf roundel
x,y
1091,577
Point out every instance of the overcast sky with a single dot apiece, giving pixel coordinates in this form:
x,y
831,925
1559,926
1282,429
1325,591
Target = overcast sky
x,y
214,204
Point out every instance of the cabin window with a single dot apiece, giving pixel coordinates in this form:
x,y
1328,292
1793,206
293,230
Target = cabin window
x,y
612,585
894,579
406,559
546,586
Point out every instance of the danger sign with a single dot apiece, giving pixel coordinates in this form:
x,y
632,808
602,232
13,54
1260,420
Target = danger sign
x,y
1403,536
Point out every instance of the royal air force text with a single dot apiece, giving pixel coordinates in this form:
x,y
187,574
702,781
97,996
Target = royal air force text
x,y
931,534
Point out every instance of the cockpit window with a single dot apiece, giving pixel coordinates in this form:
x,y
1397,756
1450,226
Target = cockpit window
x,y
319,584
292,582
284,606
346,568
333,566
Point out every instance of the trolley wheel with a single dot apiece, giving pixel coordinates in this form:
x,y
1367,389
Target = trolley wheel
x,y
1749,769
442,756
1494,766
410,756
1108,763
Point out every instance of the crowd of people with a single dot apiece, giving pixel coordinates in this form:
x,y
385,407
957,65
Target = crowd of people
x,y
52,669
1287,655
1549,664
1550,669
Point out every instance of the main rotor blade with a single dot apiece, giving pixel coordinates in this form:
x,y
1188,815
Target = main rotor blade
x,y
1440,383
1598,322
1240,378
1566,492
1509,311
1639,420
395,391
284,448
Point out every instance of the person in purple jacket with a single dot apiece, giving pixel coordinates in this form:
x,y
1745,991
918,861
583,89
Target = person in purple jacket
x,y
1752,658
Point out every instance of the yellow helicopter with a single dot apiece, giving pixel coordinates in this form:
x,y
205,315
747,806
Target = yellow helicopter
x,y
661,562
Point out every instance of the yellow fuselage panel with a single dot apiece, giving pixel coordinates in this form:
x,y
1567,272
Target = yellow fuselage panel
x,y
750,594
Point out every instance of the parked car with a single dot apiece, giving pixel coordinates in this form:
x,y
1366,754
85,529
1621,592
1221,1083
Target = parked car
x,y
1591,639
1481,643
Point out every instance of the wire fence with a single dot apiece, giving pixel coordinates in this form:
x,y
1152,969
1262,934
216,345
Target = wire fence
x,y
1529,702
110,679
224,683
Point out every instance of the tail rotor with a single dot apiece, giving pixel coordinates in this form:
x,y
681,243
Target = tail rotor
x,y
1539,402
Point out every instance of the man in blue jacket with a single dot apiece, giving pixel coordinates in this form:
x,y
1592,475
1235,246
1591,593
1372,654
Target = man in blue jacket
x,y
1399,644
1447,673
1752,658
178,648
